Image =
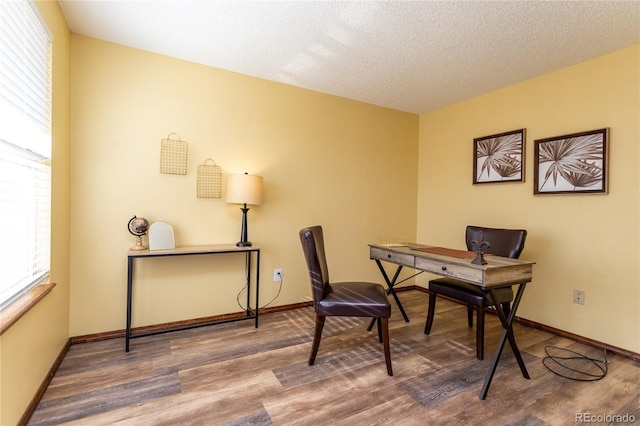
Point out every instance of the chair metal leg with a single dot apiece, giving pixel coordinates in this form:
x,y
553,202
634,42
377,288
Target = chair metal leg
x,y
430,312
316,338
480,333
385,342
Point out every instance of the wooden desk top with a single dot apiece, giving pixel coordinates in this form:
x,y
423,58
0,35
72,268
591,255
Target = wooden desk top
x,y
499,271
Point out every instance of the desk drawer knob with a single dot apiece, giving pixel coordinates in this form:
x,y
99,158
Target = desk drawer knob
x,y
444,268
389,256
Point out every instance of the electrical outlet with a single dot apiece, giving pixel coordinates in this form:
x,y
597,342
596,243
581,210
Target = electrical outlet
x,y
277,275
578,297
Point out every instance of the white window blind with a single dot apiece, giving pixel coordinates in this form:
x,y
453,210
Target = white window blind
x,y
25,149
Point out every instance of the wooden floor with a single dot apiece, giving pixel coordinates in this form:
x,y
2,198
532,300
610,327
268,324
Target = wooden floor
x,y
233,374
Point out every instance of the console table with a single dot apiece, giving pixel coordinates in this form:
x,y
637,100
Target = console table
x,y
499,272
192,251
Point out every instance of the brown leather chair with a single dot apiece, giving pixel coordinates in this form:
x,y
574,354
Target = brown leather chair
x,y
502,242
352,299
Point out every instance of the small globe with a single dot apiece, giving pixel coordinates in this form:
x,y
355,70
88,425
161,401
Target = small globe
x,y
138,226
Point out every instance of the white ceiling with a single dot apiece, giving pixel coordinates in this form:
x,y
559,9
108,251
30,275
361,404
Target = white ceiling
x,y
411,56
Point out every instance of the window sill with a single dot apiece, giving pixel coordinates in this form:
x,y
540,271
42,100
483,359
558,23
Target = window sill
x,y
23,304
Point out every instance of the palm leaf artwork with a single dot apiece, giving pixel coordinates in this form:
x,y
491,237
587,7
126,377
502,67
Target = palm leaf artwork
x,y
502,155
577,160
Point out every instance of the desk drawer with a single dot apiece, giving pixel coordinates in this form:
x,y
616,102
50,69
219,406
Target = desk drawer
x,y
460,272
391,256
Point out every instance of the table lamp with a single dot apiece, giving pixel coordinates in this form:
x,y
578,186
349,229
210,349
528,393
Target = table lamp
x,y
244,189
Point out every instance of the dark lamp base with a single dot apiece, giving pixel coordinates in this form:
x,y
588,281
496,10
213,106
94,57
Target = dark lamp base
x,y
243,244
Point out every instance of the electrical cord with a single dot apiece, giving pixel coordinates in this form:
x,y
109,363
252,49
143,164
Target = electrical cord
x,y
559,364
244,289
263,306
276,296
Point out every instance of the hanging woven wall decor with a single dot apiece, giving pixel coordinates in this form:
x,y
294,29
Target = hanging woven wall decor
x,y
209,180
173,156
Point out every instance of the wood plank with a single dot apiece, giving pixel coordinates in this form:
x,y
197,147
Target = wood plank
x,y
233,374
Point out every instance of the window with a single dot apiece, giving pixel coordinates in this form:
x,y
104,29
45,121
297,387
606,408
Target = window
x,y
25,149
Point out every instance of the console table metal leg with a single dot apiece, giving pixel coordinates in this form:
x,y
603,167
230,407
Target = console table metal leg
x,y
507,333
247,269
129,296
257,285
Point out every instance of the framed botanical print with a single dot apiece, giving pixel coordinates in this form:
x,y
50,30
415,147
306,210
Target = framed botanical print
x,y
572,164
499,158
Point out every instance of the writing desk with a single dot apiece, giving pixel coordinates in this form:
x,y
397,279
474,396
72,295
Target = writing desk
x,y
192,251
499,272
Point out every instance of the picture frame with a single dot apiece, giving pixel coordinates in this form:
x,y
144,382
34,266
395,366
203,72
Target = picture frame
x,y
499,158
576,163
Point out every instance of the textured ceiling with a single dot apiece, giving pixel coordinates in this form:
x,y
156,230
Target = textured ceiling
x,y
411,56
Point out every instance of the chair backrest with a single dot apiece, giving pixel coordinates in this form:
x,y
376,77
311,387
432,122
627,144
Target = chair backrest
x,y
312,240
502,242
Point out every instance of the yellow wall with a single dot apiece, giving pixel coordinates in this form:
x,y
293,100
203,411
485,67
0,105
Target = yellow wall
x,y
587,242
348,166
352,167
30,347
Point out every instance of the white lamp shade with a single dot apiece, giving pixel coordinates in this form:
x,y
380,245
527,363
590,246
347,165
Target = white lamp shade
x,y
244,189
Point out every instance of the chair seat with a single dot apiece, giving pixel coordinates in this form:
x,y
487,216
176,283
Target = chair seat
x,y
346,299
355,299
500,242
467,293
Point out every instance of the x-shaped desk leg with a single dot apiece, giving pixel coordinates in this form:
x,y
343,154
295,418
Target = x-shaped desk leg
x,y
390,290
507,333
